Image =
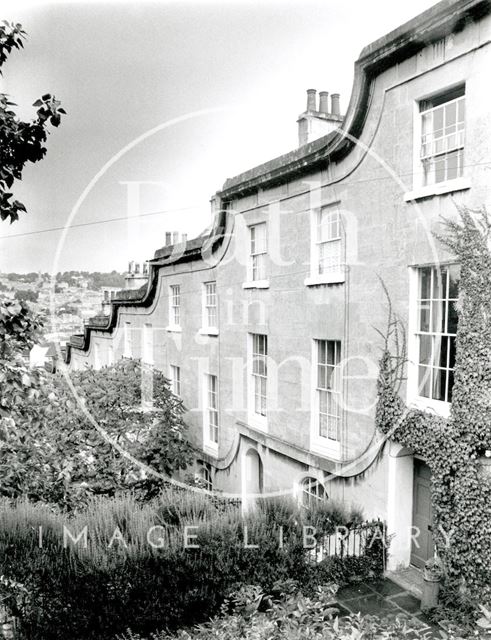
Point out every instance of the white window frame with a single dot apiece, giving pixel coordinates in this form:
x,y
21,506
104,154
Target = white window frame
x,y
211,413
209,309
147,344
255,362
311,491
420,188
326,232
128,340
432,148
326,445
257,259
439,407
175,309
204,475
175,379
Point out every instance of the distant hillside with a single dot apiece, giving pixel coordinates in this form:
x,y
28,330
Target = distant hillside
x,y
94,280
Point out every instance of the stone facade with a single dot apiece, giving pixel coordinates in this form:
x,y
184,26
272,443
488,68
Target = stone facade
x,y
371,175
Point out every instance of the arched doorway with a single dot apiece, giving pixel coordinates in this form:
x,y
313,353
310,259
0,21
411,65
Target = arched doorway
x,y
252,478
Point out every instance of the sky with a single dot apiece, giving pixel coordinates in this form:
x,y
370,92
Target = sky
x,y
177,95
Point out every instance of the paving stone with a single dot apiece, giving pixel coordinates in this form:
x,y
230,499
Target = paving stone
x,y
407,602
386,587
373,604
353,591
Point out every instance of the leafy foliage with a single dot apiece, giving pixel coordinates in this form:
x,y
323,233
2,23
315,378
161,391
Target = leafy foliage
x,y
50,450
286,614
20,142
461,492
18,331
96,590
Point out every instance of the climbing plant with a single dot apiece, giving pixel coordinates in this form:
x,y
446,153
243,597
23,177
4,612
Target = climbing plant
x,y
454,447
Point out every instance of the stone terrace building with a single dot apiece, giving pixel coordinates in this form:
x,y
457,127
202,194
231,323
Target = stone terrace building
x,y
266,324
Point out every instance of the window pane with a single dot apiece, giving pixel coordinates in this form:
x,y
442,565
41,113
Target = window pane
x,y
331,352
424,316
452,317
438,121
425,284
424,381
439,384
425,349
452,348
450,114
450,386
452,165
438,316
441,351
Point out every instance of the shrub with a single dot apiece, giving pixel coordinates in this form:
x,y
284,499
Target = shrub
x,y
114,578
295,617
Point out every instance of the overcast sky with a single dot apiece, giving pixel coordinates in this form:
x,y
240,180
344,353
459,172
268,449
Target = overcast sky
x,y
237,71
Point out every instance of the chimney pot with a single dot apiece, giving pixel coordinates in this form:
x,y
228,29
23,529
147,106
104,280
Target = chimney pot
x,y
323,101
311,93
175,237
168,238
137,267
184,237
335,109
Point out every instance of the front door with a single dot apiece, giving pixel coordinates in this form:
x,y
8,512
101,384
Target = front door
x,y
422,547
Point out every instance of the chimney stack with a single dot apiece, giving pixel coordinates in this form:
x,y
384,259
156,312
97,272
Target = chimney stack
x,y
335,108
184,237
323,101
311,106
168,238
317,122
175,237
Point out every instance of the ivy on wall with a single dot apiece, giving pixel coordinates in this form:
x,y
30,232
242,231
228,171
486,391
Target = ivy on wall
x,y
453,448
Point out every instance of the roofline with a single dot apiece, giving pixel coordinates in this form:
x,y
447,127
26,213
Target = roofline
x,y
448,16
145,296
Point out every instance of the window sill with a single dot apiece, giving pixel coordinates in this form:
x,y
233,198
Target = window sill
x,y
258,422
326,448
459,184
210,331
174,329
435,407
256,284
211,448
325,278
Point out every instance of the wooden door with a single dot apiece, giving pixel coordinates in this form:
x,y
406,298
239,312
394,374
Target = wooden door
x,y
422,547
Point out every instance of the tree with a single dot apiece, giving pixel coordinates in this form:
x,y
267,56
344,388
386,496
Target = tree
x,y
50,451
28,295
20,142
19,329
